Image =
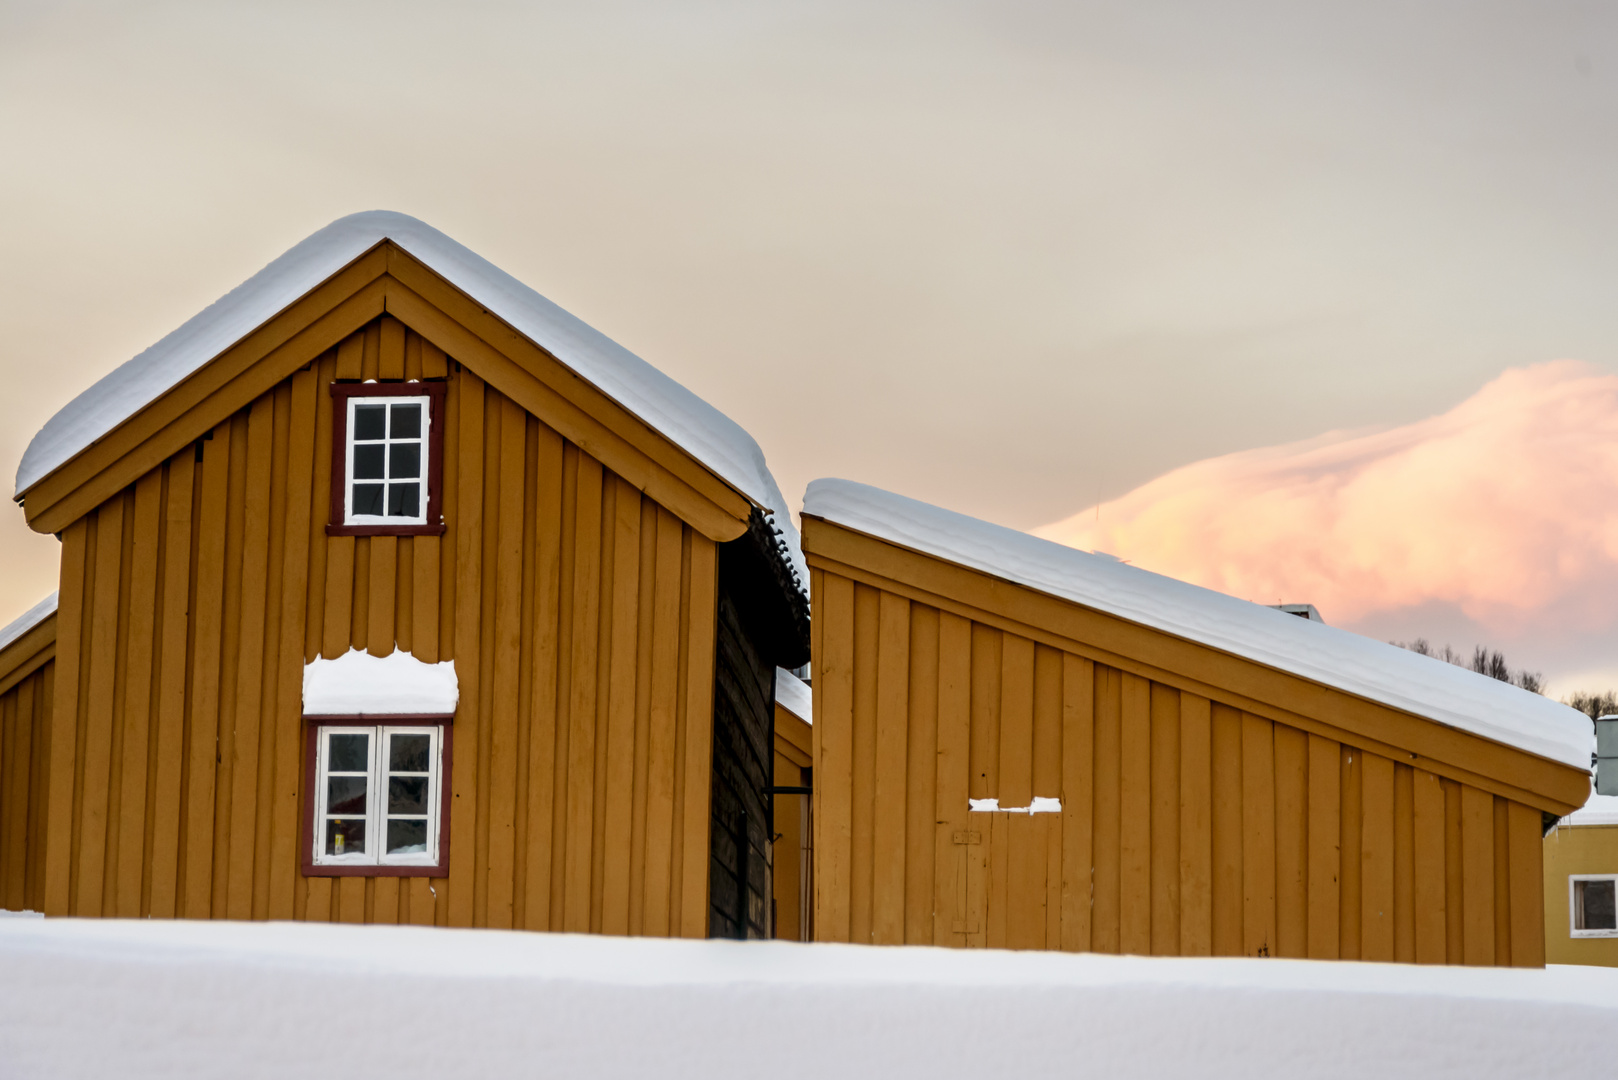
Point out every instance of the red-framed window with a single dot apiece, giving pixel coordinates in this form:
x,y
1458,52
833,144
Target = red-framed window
x,y
377,796
387,453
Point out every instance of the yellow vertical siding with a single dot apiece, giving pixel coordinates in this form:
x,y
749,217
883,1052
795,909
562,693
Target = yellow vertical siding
x,y
168,780
1188,826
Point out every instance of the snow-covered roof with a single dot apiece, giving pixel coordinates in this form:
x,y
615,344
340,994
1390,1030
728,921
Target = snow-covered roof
x,y
28,620
1597,810
794,695
663,404
1325,654
358,684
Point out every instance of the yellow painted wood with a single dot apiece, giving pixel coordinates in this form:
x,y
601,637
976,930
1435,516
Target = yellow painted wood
x,y
1196,826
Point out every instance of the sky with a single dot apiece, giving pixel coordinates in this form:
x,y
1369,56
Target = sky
x,y
1018,259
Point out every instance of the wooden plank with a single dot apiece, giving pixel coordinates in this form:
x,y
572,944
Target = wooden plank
x,y
644,603
1427,828
229,659
244,782
1165,820
1105,915
622,664
274,731
954,765
698,748
1047,723
348,897
832,815
545,708
1477,869
371,354
1526,882
207,619
862,818
581,749
1196,825
381,595
1016,755
434,364
166,794
1502,882
391,361
1228,906
1325,839
922,812
385,902
1454,876
95,771
349,354
506,646
985,690
1025,879
1258,836
138,671
1376,859
1351,771
995,909
1404,869
1135,816
423,902
889,810
1291,842
467,617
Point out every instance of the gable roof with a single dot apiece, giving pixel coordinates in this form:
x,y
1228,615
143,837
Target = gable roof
x,y
1358,665
25,622
702,431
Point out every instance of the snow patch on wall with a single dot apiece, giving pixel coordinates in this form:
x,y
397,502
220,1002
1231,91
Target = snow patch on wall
x,y
1040,805
358,683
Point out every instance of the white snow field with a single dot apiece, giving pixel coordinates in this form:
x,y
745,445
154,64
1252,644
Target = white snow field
x,y
88,998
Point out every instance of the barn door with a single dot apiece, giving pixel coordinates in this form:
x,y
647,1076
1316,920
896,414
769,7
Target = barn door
x,y
1006,866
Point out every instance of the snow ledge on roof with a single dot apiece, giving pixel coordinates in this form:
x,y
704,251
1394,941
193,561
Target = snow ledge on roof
x,y
667,407
358,684
794,695
29,619
1358,665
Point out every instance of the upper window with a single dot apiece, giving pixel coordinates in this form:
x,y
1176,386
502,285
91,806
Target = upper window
x,y
377,799
386,458
1594,913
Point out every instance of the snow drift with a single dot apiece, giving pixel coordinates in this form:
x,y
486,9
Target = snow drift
x,y
149,999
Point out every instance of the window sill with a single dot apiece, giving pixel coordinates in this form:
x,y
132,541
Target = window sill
x,y
317,870
1585,935
386,530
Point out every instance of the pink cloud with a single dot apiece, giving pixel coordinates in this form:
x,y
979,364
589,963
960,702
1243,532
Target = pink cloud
x,y
1505,507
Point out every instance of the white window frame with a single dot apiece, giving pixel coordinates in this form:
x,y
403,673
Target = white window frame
x,y
354,402
1573,905
376,817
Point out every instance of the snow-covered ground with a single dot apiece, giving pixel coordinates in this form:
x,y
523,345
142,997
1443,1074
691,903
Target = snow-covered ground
x,y
165,999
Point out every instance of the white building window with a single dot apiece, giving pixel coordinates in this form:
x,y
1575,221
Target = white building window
x,y
1591,902
388,439
378,796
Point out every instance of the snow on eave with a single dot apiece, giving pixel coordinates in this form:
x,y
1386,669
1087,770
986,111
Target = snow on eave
x,y
358,684
698,428
1358,665
1597,810
27,621
794,695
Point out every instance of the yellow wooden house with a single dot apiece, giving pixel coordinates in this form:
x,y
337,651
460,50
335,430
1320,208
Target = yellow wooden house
x,y
391,592
1019,744
1581,878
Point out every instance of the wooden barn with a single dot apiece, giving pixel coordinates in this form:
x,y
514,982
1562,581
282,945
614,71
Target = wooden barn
x,y
391,592
1017,744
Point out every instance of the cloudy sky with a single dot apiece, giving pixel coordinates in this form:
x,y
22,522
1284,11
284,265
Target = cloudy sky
x,y
1317,300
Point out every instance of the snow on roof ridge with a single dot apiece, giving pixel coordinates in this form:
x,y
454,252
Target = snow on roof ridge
x,y
794,695
662,403
1325,654
29,619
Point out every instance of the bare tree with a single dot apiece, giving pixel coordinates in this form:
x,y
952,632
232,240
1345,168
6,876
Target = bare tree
x,y
1593,705
1484,661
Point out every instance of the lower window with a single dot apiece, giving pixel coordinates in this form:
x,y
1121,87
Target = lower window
x,y
1594,913
377,798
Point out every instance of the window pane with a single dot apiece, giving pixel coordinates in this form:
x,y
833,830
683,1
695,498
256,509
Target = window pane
x,y
345,794
404,460
407,794
345,836
367,499
409,753
347,753
404,500
407,836
406,422
1596,904
368,462
369,421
